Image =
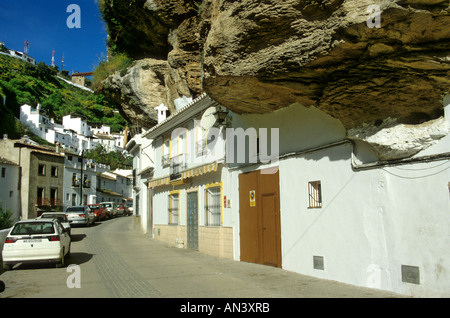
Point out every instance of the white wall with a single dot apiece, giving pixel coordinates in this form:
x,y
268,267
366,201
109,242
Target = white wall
x,y
371,222
10,193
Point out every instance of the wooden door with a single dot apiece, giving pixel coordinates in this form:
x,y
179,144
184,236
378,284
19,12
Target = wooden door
x,y
260,231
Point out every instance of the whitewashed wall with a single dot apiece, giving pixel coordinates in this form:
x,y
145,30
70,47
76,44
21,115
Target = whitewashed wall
x,y
371,222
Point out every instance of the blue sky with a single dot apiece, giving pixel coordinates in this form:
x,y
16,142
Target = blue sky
x,y
43,23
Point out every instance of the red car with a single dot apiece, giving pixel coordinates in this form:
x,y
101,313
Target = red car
x,y
99,211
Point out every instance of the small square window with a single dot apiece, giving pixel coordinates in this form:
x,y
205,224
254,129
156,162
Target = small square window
x,y
315,194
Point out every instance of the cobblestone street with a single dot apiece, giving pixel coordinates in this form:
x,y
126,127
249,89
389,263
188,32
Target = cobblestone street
x,y
117,262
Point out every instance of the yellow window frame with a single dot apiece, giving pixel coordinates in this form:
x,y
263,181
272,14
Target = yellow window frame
x,y
177,192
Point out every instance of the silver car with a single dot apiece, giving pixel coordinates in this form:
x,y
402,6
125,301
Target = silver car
x,y
80,215
61,216
111,208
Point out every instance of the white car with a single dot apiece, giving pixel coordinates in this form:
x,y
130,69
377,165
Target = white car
x,y
36,241
61,216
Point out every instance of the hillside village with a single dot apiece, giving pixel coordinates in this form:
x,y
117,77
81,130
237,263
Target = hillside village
x,y
39,178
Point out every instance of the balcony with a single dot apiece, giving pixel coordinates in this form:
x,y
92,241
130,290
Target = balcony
x,y
48,202
76,183
177,165
87,184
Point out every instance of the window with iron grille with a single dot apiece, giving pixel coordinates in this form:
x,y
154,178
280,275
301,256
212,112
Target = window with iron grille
x,y
213,206
315,194
173,208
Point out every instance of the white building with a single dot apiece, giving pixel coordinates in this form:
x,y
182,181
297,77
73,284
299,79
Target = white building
x,y
10,185
114,186
186,190
80,180
143,165
74,134
339,212
304,197
21,56
77,124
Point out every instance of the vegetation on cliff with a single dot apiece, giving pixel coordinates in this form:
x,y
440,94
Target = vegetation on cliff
x,y
23,83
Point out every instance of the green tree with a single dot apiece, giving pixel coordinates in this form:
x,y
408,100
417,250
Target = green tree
x,y
5,218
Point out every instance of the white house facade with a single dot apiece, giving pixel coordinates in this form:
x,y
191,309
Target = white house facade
x,y
185,197
80,180
328,207
143,166
307,195
10,185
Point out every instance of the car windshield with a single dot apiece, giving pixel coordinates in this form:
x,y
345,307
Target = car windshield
x,y
108,205
33,228
75,209
60,217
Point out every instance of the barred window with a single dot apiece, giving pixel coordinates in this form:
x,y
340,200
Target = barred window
x,y
173,208
213,206
315,194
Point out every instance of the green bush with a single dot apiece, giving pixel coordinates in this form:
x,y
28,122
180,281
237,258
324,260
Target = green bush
x,y
5,218
118,63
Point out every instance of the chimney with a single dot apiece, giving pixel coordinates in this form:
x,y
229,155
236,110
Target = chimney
x,y
162,113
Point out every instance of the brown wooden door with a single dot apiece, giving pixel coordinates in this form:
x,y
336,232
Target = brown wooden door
x,y
260,234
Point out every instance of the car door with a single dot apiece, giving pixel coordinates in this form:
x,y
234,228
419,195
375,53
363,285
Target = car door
x,y
65,238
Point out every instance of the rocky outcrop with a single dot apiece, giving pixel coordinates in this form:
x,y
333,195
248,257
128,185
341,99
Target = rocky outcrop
x,y
257,56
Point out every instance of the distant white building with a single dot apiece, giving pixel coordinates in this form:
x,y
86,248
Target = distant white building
x,y
73,134
77,124
19,55
9,183
114,186
80,179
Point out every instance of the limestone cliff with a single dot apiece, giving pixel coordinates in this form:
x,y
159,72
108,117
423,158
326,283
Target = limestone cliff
x,y
256,56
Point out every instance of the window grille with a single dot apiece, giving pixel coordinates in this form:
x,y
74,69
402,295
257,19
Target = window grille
x,y
315,194
173,208
213,206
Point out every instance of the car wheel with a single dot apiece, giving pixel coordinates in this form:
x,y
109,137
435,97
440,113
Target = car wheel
x,y
61,262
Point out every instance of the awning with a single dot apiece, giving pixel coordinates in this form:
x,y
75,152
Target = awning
x,y
195,172
159,182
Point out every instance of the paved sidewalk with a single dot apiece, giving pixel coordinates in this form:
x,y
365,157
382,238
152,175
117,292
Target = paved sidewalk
x,y
117,262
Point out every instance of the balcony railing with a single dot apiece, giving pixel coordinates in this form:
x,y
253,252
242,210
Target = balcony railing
x,y
76,183
48,202
165,160
177,164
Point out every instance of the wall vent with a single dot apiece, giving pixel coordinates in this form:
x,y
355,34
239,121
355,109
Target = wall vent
x,y
318,262
410,274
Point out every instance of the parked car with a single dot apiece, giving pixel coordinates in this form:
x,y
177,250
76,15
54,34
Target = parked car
x,y
98,210
61,216
112,211
129,209
120,207
80,215
36,241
